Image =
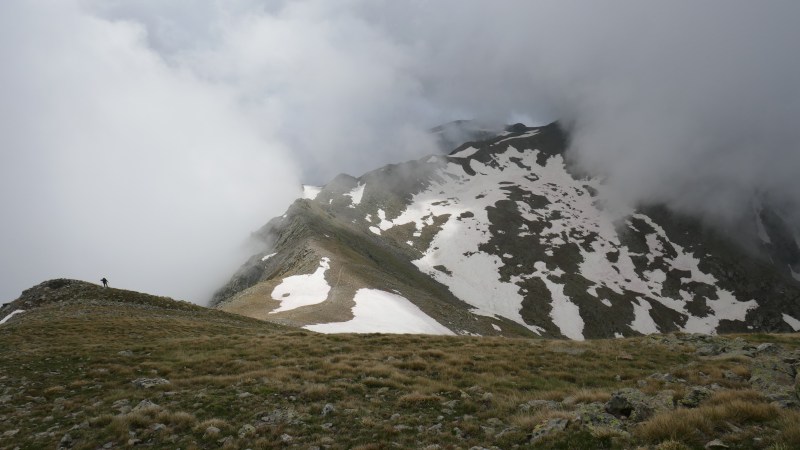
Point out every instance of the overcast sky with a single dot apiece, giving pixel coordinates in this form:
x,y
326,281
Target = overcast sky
x,y
143,140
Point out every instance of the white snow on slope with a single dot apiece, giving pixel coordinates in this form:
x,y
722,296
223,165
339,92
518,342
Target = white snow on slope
x,y
311,192
378,311
760,228
794,323
356,194
523,135
13,313
268,256
302,290
565,314
465,153
724,308
642,321
573,217
795,275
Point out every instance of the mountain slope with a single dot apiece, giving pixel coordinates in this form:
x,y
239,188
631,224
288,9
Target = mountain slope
x,y
86,367
503,236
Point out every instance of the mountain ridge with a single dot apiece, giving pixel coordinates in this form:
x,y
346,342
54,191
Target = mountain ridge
x,y
546,251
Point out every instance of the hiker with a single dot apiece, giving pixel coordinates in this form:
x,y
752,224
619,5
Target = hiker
x,y
105,282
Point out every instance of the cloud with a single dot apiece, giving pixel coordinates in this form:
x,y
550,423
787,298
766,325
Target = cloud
x,y
142,139
116,164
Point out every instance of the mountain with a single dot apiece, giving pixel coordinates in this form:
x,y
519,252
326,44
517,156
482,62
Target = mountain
x,y
86,367
504,236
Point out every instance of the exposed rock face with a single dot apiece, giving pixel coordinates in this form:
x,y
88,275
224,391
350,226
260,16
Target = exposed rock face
x,y
504,237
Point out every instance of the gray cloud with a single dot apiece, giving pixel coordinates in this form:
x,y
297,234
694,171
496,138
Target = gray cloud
x,y
142,139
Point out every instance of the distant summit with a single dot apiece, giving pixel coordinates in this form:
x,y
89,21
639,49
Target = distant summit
x,y
53,292
502,236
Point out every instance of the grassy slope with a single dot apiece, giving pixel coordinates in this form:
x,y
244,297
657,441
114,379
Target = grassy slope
x,y
62,373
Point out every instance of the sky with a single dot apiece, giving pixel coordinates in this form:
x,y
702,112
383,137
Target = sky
x,y
144,140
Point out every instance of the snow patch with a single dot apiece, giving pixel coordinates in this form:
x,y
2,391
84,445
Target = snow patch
x,y
726,307
795,275
497,328
268,256
302,290
356,194
565,314
642,321
465,153
13,313
794,323
378,311
311,192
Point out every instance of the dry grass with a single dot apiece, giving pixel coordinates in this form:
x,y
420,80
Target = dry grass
x,y
694,426
228,372
587,396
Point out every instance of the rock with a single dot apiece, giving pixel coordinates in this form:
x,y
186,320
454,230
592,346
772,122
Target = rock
x,y
536,405
278,416
328,409
547,428
125,353
775,379
211,431
395,417
146,383
133,441
696,395
730,375
594,415
766,347
247,430
66,441
145,405
629,403
158,427
244,395
286,438
715,444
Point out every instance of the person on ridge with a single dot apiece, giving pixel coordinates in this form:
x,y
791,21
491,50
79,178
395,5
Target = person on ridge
x,y
105,282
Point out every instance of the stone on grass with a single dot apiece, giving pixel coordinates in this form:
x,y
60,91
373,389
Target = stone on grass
x,y
146,383
547,428
715,444
246,430
145,405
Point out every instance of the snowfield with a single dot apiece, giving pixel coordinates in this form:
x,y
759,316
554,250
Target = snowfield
x,y
574,216
302,290
311,192
356,195
378,311
8,317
